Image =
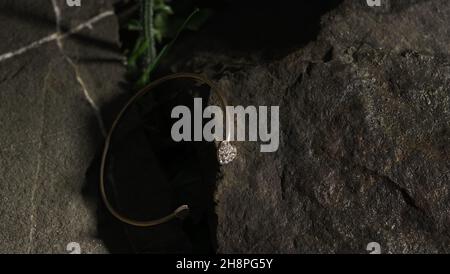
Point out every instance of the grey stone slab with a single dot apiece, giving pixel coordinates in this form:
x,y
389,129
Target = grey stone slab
x,y
49,109
24,22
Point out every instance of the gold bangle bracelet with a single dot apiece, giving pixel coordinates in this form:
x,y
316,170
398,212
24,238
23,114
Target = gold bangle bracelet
x,y
226,152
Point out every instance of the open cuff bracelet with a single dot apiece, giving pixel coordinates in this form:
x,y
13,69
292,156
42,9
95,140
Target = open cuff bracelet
x,y
226,152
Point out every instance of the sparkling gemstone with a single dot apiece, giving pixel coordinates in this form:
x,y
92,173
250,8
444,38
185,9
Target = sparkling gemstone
x,y
226,153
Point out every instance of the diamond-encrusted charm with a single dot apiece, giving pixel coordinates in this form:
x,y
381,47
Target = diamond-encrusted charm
x,y
226,153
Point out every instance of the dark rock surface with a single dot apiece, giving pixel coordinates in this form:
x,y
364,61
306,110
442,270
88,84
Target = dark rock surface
x,y
365,135
50,96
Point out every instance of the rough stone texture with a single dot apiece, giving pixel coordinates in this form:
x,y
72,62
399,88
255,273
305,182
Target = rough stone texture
x,y
49,101
421,25
365,134
363,157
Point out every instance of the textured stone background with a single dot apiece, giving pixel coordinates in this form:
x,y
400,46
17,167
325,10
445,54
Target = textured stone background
x,y
365,134
50,97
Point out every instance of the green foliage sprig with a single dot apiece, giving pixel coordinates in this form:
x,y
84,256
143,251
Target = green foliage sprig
x,y
157,23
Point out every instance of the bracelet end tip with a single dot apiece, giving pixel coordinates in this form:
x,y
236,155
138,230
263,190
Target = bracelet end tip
x,y
182,212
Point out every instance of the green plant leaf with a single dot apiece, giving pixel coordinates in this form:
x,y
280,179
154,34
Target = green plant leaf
x,y
138,50
149,70
134,25
199,19
162,7
161,25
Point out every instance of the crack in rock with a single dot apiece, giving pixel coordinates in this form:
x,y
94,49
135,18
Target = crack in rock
x,y
56,36
33,223
14,74
87,95
78,77
407,197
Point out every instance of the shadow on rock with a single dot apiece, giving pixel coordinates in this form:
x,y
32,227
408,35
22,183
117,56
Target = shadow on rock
x,y
149,175
268,27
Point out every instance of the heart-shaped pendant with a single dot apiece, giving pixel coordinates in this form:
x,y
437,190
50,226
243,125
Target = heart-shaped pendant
x,y
226,153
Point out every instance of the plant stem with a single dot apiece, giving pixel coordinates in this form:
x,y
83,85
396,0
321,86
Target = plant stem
x,y
147,14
